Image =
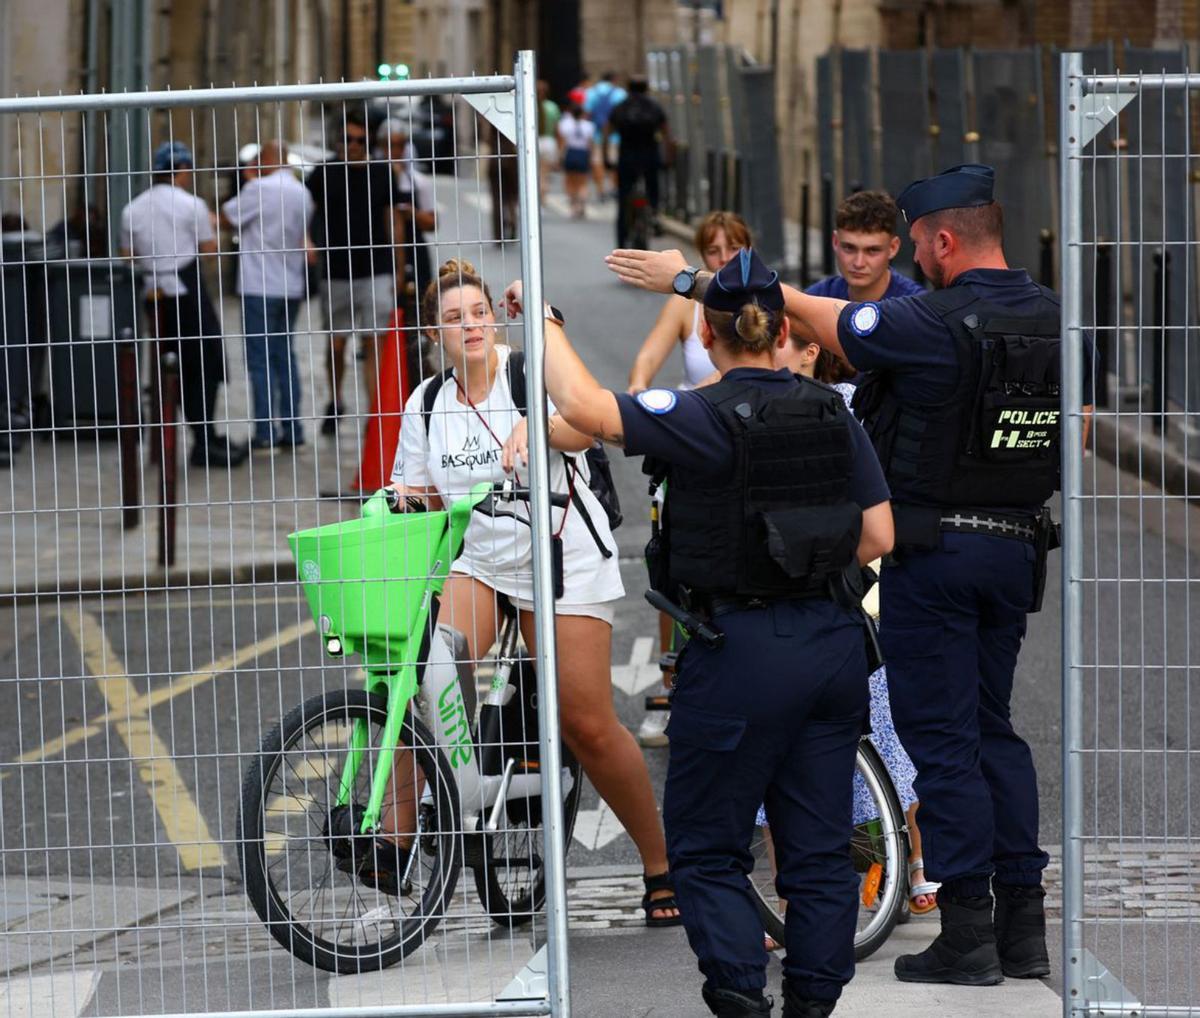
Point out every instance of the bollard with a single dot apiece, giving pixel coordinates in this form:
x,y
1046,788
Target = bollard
x,y
710,165
168,439
827,225
1161,363
804,227
1046,258
129,420
1105,320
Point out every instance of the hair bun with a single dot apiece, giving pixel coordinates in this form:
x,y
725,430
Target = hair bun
x,y
457,267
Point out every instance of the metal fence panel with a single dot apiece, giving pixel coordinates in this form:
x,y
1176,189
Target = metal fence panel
x,y
904,122
858,119
760,190
947,69
1008,115
207,804
826,144
1131,802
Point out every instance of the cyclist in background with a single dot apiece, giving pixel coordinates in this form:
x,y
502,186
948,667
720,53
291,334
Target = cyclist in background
x,y
470,430
644,129
718,236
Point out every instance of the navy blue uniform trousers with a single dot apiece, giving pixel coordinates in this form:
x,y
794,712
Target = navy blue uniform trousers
x,y
772,718
951,625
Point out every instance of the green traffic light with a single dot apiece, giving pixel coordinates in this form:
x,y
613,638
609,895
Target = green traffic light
x,y
401,70
385,70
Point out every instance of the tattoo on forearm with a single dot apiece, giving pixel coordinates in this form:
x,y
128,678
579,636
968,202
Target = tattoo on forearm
x,y
616,438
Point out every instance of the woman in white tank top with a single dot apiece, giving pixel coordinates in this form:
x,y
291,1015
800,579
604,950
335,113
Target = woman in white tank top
x,y
718,237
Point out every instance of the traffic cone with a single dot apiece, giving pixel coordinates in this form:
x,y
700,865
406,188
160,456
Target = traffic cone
x,y
383,427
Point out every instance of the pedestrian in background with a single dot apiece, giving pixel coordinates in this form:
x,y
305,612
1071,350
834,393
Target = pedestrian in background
x,y
602,98
642,124
166,229
271,213
548,117
577,135
417,198
358,223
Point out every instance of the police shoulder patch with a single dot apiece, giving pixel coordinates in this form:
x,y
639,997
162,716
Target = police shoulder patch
x,y
864,318
658,401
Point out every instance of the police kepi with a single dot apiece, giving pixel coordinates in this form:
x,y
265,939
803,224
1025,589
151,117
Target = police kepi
x,y
962,405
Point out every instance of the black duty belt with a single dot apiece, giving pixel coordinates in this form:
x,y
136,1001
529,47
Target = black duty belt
x,y
715,606
1018,528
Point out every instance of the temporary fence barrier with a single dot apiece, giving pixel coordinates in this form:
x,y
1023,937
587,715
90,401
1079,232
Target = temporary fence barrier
x,y
203,809
1131,789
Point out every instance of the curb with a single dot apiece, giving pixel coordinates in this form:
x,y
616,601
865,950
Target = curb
x,y
1146,455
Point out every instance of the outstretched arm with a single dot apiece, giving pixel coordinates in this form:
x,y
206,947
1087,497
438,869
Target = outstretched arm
x,y
813,318
581,401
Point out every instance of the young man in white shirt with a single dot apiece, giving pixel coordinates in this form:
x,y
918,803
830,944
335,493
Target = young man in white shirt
x,y
165,230
271,213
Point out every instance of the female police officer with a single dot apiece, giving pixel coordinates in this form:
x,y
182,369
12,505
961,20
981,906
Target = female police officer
x,y
774,496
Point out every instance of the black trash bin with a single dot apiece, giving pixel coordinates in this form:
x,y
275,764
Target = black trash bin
x,y
23,320
92,303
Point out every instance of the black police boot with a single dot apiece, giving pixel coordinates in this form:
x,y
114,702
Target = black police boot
x,y
735,1004
1020,924
963,953
795,1006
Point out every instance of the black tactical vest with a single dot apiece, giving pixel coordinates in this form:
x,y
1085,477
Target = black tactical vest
x,y
995,442
782,524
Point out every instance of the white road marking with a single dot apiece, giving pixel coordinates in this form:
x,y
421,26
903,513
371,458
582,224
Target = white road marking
x,y
48,996
595,828
641,672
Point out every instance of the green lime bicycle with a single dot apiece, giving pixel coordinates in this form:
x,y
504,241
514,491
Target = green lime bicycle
x,y
356,818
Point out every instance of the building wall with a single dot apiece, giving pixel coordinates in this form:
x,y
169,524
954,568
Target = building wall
x,y
617,33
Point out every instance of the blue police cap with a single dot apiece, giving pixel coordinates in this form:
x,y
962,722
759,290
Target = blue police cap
x,y
172,155
959,187
744,279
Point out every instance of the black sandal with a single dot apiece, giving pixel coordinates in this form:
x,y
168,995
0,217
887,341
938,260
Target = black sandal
x,y
660,882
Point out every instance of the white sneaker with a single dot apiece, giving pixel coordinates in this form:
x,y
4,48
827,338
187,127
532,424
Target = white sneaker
x,y
654,728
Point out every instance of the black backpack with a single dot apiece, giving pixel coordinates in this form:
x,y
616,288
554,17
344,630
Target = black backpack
x,y
600,479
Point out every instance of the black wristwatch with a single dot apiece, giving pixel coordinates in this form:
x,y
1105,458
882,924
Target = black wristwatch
x,y
549,311
684,283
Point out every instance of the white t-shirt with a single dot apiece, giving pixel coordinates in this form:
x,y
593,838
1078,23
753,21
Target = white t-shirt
x,y
164,227
459,453
271,214
576,133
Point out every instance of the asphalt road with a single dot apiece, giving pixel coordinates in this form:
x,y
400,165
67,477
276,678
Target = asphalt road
x,y
187,681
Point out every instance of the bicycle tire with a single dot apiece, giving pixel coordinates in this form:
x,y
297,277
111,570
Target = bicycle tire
x,y
890,842
514,910
438,846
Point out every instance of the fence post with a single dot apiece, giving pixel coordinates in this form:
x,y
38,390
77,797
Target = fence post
x,y
1071,231
168,459
826,225
805,217
129,421
1162,359
1046,257
557,978
1105,320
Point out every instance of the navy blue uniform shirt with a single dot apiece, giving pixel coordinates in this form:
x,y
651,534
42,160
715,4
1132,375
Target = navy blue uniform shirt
x,y
911,343
836,286
682,429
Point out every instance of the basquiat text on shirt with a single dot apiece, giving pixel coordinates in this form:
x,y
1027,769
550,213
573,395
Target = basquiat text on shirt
x,y
471,455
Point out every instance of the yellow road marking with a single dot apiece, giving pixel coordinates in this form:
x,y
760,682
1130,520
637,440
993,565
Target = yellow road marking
x,y
176,687
181,817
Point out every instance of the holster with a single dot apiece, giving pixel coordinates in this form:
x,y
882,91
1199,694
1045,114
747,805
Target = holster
x,y
1047,537
848,588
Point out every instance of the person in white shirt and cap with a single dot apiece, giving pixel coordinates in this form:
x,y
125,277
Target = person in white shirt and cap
x,y
165,230
271,213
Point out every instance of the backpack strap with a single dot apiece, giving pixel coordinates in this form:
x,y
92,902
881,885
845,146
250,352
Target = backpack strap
x,y
515,369
430,397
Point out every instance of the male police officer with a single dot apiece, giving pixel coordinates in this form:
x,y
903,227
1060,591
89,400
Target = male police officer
x,y
964,413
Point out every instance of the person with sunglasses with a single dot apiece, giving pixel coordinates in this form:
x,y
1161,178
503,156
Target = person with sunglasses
x,y
359,219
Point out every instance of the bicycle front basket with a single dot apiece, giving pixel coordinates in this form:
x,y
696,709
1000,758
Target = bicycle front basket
x,y
366,579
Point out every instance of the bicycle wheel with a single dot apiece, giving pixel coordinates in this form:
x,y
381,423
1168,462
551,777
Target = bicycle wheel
x,y
879,848
511,879
298,847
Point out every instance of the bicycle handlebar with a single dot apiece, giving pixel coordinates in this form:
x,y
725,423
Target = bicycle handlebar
x,y
502,493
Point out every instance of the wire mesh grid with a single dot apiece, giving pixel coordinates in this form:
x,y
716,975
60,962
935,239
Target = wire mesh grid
x,y
1132,766
260,753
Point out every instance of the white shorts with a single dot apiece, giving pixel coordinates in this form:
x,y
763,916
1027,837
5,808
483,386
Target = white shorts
x,y
364,304
548,150
605,611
